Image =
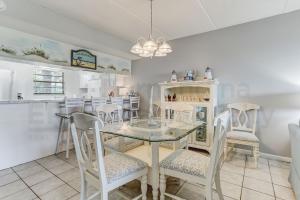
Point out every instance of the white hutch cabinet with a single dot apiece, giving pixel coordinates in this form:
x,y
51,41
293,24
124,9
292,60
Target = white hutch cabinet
x,y
202,95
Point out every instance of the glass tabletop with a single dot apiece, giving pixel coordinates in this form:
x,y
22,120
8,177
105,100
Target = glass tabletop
x,y
155,130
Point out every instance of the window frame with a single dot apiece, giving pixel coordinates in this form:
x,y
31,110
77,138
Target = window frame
x,y
62,82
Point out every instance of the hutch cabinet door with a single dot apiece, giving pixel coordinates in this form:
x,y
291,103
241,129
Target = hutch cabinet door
x,y
200,136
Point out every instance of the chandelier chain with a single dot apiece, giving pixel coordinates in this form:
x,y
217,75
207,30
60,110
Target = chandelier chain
x,y
151,16
151,47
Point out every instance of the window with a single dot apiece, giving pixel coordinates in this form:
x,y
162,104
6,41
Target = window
x,y
48,81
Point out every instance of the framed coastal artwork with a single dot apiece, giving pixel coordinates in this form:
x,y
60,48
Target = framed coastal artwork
x,y
83,58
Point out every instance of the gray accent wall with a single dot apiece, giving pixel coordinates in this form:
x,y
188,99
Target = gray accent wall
x,y
257,62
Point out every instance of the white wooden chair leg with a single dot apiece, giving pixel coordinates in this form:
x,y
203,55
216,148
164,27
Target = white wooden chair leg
x,y
144,187
104,195
60,133
137,115
208,192
68,139
225,151
256,154
218,184
83,189
162,186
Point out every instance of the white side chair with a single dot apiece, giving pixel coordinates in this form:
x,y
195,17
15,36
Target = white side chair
x,y
195,167
156,108
98,101
113,117
70,105
243,117
120,102
111,113
179,113
105,173
134,107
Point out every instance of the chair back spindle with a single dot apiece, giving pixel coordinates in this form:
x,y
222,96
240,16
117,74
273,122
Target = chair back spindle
x,y
110,111
97,101
243,116
221,126
134,103
117,100
73,104
83,125
181,112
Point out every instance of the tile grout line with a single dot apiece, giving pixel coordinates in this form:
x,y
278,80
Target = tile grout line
x,y
243,177
25,183
261,181
58,178
180,187
274,183
272,180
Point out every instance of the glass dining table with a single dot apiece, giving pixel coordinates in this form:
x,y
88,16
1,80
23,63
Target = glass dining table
x,y
154,131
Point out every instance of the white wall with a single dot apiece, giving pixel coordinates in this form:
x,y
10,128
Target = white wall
x,y
256,62
23,81
28,132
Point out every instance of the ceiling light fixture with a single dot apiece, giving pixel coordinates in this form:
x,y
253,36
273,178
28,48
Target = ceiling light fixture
x,y
2,6
151,47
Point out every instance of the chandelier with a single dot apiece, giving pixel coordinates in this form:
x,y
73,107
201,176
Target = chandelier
x,y
151,47
2,6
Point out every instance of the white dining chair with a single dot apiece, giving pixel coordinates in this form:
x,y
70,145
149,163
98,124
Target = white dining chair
x,y
105,173
97,101
120,102
113,117
243,117
196,167
69,105
111,113
179,112
134,107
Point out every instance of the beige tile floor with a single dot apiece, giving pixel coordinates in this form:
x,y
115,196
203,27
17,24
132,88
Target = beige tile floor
x,y
57,178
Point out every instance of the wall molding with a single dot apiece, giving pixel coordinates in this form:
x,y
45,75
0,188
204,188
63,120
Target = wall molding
x,y
276,157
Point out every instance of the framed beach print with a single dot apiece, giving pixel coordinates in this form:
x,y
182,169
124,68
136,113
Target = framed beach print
x,y
83,58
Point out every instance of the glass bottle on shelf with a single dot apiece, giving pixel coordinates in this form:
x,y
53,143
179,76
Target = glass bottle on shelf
x,y
201,115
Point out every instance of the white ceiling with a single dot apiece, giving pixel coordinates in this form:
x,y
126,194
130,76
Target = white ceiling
x,y
173,19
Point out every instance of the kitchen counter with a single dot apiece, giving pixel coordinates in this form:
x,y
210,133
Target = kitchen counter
x,y
28,130
31,101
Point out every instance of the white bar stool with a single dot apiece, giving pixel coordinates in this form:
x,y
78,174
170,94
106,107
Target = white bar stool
x,y
134,107
97,102
118,101
69,106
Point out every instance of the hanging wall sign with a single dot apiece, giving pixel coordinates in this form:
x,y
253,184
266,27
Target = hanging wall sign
x,y
83,58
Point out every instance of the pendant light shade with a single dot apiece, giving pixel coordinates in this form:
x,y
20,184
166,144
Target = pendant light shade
x,y
137,48
151,47
146,54
165,48
2,6
160,54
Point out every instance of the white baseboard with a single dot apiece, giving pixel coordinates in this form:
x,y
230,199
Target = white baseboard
x,y
275,157
266,155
